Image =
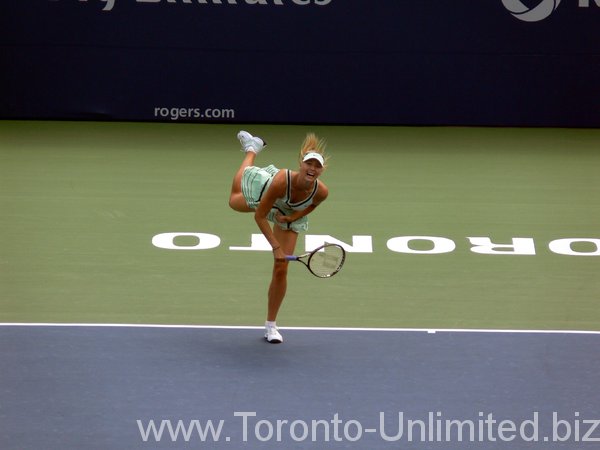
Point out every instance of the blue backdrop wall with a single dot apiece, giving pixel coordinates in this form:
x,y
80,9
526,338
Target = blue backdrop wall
x,y
416,62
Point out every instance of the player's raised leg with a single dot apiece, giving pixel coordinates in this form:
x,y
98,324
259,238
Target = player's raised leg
x,y
251,145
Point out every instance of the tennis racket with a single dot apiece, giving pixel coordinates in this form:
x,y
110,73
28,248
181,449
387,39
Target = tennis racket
x,y
324,261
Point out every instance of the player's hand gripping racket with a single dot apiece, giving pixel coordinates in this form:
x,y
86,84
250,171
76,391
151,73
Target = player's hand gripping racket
x,y
324,261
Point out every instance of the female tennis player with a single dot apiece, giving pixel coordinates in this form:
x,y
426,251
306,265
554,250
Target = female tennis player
x,y
283,197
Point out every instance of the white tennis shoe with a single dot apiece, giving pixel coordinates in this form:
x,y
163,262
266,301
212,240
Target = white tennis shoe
x,y
250,143
272,334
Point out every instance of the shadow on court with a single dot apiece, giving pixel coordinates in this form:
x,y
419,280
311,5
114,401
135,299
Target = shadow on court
x,y
74,387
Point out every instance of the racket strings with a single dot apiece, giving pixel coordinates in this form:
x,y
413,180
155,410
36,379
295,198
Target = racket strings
x,y
327,262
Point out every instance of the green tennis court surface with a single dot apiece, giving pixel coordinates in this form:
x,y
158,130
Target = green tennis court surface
x,y
82,202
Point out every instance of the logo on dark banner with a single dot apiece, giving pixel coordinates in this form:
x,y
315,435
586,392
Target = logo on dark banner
x,y
541,11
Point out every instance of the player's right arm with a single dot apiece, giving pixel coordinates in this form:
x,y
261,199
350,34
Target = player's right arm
x,y
276,190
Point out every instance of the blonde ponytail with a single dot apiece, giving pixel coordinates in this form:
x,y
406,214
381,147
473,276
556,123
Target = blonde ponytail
x,y
312,143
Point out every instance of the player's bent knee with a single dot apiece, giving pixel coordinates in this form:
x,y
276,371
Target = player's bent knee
x,y
238,203
232,203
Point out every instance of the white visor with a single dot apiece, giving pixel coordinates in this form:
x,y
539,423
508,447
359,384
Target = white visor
x,y
314,155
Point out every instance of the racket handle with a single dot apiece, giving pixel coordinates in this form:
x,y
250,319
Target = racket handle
x,y
291,258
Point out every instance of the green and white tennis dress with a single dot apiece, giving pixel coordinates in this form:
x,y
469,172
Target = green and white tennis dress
x,y
256,181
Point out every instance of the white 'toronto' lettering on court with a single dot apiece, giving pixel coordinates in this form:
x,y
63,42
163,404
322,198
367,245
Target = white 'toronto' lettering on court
x,y
483,245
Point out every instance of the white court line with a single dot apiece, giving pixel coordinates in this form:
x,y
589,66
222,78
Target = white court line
x,y
248,327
